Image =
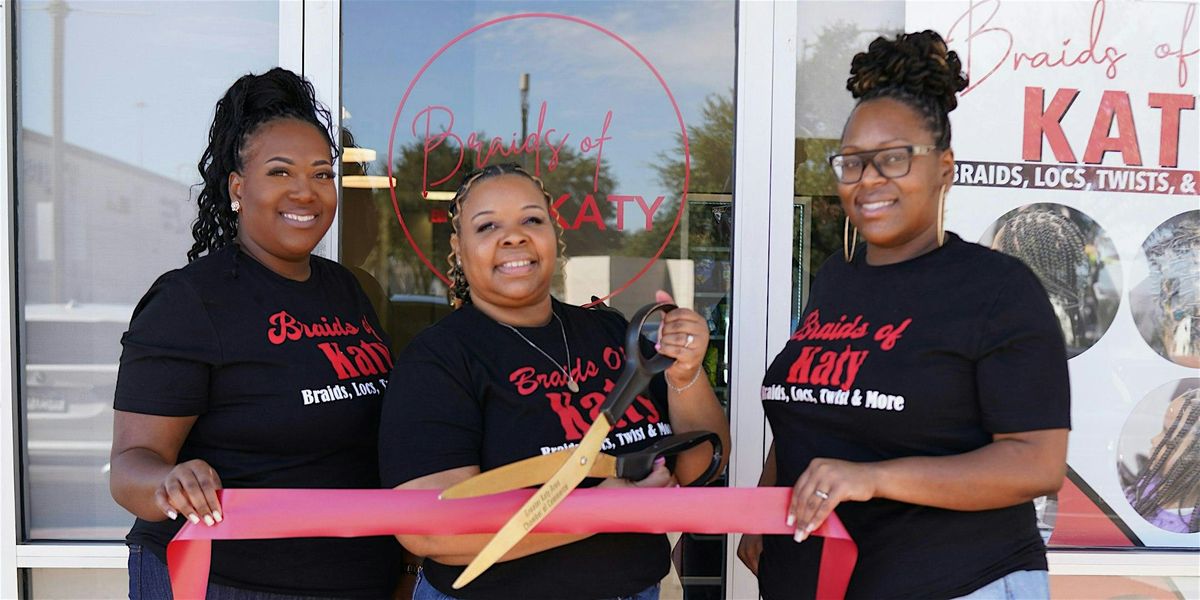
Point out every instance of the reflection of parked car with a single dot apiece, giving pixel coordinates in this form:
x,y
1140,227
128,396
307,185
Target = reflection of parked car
x,y
408,314
70,354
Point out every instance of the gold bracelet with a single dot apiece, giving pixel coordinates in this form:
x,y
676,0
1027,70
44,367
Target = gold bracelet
x,y
689,384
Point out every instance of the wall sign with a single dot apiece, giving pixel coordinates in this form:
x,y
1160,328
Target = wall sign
x,y
429,117
1077,148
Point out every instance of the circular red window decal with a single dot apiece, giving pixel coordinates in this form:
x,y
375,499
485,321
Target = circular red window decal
x,y
597,28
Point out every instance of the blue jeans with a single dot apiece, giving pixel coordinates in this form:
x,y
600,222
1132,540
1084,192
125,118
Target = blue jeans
x,y
150,580
425,591
1021,585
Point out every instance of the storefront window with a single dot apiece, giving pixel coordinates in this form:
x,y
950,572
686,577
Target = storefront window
x,y
624,109
113,103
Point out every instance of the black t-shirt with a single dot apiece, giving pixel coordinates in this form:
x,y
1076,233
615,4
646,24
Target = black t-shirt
x,y
928,357
468,391
287,378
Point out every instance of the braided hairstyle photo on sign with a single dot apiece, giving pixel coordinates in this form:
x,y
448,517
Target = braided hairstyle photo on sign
x,y
1073,258
1166,302
1159,461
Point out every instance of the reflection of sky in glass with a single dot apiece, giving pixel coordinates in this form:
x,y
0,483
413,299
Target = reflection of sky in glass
x,y
577,71
137,78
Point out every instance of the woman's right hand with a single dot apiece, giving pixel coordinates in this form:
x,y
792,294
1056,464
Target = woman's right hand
x,y
749,549
190,489
660,476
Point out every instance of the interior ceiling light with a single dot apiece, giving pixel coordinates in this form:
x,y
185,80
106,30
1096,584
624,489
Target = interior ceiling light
x,y
368,182
359,155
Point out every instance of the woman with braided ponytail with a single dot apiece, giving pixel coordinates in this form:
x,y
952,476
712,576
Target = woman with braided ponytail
x,y
934,369
236,369
1167,490
514,373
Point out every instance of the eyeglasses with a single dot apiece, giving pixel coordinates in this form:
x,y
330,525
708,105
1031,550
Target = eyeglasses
x,y
889,162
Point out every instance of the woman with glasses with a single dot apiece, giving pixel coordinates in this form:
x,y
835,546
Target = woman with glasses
x,y
925,391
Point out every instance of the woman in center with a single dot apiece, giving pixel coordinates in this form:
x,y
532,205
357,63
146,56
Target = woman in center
x,y
514,373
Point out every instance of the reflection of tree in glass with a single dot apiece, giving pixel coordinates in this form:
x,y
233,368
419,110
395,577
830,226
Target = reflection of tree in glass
x,y
822,107
572,175
711,146
822,68
1167,490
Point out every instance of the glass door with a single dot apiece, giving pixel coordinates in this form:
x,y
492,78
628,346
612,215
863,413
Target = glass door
x,y
624,109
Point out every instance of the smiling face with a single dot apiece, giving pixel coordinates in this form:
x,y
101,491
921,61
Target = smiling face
x,y
897,217
507,246
287,194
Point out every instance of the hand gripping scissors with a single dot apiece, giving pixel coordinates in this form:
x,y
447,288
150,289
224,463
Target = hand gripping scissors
x,y
563,472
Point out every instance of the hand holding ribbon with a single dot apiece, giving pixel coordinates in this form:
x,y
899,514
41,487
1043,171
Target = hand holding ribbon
x,y
263,514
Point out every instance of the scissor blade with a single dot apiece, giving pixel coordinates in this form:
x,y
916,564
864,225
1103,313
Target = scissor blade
x,y
572,471
523,474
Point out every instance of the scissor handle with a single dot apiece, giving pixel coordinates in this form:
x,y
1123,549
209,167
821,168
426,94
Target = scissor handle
x,y
633,340
638,369
637,465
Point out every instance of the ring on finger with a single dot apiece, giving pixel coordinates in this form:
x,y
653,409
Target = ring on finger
x,y
688,342
821,494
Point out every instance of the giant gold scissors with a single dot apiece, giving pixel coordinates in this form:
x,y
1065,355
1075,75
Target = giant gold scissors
x,y
563,471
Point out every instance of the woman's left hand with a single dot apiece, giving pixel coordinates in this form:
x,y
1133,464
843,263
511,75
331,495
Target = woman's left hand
x,y
682,335
826,483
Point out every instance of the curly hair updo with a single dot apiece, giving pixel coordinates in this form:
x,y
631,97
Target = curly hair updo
x,y
251,102
915,69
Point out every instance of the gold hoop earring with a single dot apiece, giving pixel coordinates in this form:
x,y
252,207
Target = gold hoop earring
x,y
849,242
941,218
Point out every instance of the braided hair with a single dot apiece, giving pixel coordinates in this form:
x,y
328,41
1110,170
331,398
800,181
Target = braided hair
x,y
915,69
1165,482
1173,256
1054,247
251,102
460,290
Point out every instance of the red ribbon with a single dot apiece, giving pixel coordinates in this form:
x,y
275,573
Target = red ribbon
x,y
263,514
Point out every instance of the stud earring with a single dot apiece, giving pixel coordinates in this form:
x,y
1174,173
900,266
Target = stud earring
x,y
236,206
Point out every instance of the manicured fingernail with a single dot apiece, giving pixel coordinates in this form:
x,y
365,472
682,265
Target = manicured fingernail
x,y
194,519
657,346
208,520
791,520
799,536
217,515
809,528
660,461
172,514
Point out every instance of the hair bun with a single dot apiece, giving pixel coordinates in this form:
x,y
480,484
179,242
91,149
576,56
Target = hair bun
x,y
917,63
